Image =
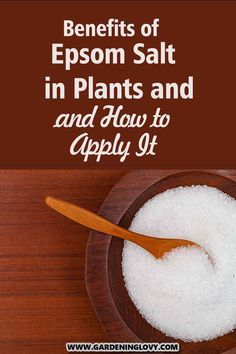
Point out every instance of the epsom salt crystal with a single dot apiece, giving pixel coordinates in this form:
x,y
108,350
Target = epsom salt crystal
x,y
184,294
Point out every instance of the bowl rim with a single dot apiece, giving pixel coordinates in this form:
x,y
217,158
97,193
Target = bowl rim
x,y
96,267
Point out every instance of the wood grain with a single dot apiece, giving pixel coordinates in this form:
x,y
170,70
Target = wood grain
x,y
105,282
43,298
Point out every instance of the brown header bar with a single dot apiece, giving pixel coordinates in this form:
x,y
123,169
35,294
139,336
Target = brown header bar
x,y
201,131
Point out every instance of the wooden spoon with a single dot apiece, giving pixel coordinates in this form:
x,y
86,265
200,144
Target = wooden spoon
x,y
156,246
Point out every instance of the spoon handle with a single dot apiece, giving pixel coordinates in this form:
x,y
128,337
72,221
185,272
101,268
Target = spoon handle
x,y
157,246
90,219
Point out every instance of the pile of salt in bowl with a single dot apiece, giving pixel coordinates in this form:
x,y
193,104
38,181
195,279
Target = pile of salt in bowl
x,y
186,295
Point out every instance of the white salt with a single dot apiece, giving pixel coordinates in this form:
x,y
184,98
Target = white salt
x,y
183,294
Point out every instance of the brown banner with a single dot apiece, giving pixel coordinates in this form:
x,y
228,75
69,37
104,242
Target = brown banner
x,y
201,131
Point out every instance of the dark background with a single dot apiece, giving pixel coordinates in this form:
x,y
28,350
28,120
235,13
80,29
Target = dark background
x,y
202,130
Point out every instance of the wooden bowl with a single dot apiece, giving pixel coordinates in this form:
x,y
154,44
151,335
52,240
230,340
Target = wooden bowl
x,y
105,283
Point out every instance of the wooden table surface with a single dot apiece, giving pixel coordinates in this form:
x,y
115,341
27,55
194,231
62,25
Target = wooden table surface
x,y
43,298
